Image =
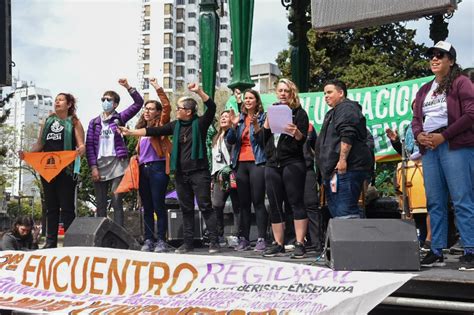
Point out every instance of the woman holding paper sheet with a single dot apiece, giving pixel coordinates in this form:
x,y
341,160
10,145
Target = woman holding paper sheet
x,y
285,170
62,131
248,161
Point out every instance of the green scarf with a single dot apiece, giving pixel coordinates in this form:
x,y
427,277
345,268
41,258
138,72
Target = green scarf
x,y
66,123
197,151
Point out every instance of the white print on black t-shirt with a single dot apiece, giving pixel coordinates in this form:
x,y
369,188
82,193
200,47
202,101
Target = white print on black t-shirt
x,y
56,129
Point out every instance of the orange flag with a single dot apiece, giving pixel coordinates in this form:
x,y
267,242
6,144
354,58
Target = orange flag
x,y
130,179
49,164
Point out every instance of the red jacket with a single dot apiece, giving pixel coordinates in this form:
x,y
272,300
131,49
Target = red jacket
x,y
460,131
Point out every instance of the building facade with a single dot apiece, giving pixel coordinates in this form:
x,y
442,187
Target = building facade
x,y
265,76
169,45
29,107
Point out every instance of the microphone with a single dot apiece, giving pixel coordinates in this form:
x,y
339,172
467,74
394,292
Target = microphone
x,y
117,122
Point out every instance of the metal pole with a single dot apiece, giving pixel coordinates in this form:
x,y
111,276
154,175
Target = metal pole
x,y
405,210
428,303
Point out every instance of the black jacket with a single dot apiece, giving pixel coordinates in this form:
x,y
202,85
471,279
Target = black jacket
x,y
346,123
289,150
185,163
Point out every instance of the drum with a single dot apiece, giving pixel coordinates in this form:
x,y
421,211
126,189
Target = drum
x,y
415,186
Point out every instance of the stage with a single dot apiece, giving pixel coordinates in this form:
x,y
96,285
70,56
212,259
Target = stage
x,y
438,283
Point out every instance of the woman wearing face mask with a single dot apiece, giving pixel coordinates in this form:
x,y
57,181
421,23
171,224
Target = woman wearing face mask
x,y
285,171
248,160
221,177
62,131
442,124
154,157
107,154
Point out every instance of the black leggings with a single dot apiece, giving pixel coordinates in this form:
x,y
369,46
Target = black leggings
x,y
59,195
251,190
290,179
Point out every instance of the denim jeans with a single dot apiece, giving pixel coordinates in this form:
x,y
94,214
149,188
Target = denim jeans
x,y
343,203
450,172
152,189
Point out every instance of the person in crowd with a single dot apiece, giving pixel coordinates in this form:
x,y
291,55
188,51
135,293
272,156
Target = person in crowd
x,y
189,160
285,171
248,160
442,125
62,131
342,154
221,178
106,151
154,158
22,236
311,196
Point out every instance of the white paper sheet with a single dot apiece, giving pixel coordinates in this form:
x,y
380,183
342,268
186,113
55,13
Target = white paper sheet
x,y
279,116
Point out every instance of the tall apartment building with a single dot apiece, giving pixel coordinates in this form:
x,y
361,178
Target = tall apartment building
x,y
169,46
29,106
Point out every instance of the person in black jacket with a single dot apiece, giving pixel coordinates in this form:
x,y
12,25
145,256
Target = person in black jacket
x,y
22,236
285,171
342,154
189,160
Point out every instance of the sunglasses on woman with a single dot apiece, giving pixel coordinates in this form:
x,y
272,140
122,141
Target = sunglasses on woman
x,y
437,54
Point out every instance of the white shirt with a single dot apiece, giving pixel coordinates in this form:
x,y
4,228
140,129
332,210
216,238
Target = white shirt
x,y
106,141
435,110
220,156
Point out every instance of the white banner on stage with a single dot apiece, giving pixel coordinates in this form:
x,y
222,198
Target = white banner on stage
x,y
82,280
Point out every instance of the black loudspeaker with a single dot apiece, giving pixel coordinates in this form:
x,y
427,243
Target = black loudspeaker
x,y
5,43
372,244
98,232
175,225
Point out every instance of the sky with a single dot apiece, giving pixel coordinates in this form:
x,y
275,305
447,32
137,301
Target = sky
x,y
85,46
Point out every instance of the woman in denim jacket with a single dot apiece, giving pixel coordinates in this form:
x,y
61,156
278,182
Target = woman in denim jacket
x,y
248,160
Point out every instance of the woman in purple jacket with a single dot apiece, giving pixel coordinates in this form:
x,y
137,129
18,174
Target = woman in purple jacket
x,y
106,152
443,125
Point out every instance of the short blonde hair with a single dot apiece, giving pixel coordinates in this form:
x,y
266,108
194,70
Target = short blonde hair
x,y
294,101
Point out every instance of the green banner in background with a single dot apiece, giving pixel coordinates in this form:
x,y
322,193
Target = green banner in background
x,y
384,106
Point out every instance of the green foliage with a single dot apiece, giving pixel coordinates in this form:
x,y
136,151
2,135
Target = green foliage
x,y
362,57
385,176
13,209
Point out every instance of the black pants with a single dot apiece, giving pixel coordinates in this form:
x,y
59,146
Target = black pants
x,y
219,198
289,179
251,190
59,195
195,184
311,201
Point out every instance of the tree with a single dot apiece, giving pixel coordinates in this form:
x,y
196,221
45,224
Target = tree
x,y
362,57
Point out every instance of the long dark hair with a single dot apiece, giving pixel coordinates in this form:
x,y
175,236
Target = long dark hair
x,y
71,111
221,130
154,122
23,220
447,81
259,108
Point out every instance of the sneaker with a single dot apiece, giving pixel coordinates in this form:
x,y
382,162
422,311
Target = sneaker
x,y
183,249
147,246
299,252
467,262
161,247
456,249
274,250
261,245
243,245
222,241
426,246
433,260
232,241
214,248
